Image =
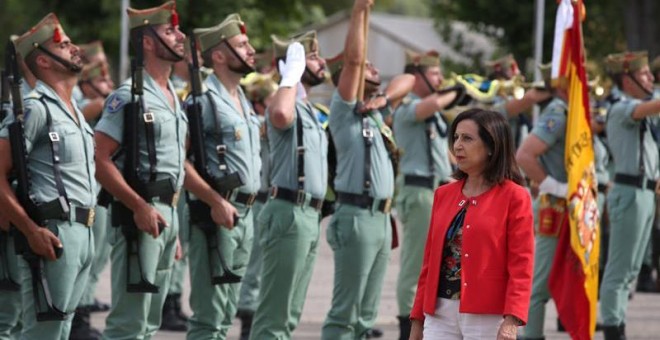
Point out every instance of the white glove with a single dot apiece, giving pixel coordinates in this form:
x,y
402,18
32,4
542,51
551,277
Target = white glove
x,y
294,67
553,187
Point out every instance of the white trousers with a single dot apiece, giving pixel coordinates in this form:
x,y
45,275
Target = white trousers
x,y
448,324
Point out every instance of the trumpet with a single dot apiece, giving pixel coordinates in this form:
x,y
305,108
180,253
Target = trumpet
x,y
486,91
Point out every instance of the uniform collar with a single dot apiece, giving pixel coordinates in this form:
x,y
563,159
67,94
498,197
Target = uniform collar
x,y
216,86
44,90
150,85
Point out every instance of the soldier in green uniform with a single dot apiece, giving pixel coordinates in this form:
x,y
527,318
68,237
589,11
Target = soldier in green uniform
x,y
541,157
259,89
360,232
291,217
10,298
60,160
96,85
420,130
232,146
90,99
631,201
161,163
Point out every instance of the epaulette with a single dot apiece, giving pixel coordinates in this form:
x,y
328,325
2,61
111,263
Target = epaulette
x,y
33,95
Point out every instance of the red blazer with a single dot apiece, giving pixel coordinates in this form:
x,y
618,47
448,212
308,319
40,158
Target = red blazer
x,y
497,253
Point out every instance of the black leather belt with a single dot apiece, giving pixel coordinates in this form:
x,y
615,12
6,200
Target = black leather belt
x,y
364,202
419,181
602,187
245,199
636,181
262,196
295,197
169,199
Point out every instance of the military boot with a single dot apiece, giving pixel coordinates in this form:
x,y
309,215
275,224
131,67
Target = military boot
x,y
246,323
171,320
404,327
645,279
81,329
177,308
612,333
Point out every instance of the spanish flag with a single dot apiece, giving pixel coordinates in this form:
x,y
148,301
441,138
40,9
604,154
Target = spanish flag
x,y
574,275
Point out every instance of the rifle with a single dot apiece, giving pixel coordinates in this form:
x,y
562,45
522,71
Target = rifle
x,y
122,215
38,212
202,212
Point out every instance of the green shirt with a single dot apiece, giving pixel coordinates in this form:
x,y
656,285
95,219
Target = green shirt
x,y
551,129
170,129
623,138
284,158
76,149
602,158
412,139
346,129
240,134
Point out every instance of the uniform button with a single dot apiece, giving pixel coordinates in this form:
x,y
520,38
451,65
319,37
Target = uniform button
x,y
468,226
474,202
465,284
467,255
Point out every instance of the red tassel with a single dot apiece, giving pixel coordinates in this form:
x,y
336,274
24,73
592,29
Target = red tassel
x,y
57,35
243,29
175,18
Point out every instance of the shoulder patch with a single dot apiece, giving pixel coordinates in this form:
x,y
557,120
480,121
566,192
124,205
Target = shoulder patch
x,y
550,125
114,103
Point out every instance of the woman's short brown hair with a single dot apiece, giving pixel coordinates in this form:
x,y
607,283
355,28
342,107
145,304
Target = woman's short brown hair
x,y
496,134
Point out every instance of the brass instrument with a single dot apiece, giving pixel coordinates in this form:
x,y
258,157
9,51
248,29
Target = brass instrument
x,y
486,91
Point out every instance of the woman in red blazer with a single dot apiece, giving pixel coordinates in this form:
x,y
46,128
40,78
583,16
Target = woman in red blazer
x,y
476,276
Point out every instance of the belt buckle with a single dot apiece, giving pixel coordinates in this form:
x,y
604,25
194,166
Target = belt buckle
x,y
388,205
300,197
91,214
251,199
175,199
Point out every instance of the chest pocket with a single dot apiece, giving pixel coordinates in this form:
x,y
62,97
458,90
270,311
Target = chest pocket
x,y
165,128
235,133
73,144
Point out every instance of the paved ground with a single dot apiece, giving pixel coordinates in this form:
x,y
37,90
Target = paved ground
x,y
643,321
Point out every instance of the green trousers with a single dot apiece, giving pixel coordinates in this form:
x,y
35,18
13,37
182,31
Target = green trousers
x,y
631,213
180,266
289,241
413,205
101,254
10,301
65,277
138,315
214,306
361,240
251,282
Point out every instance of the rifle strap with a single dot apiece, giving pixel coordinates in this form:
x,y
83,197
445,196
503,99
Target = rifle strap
x,y
368,138
150,136
300,151
221,148
54,139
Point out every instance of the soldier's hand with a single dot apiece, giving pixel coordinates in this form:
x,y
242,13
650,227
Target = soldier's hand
x,y
375,103
178,253
147,219
363,4
223,213
43,243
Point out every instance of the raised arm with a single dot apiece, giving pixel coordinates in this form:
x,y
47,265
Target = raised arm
x,y
354,52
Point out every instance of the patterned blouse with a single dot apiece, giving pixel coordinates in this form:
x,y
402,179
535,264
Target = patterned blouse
x,y
449,286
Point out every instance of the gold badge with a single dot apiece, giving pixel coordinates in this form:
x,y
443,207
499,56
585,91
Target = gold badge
x,y
237,134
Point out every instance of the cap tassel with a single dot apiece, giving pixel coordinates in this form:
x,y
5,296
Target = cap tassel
x,y
175,18
57,35
243,29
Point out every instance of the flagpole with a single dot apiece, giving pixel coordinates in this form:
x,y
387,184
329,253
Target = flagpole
x,y
123,42
538,49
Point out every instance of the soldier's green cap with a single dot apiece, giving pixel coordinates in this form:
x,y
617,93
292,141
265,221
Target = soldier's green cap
x,y
626,62
164,14
92,49
307,39
655,65
94,70
430,58
212,36
49,28
508,62
258,86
